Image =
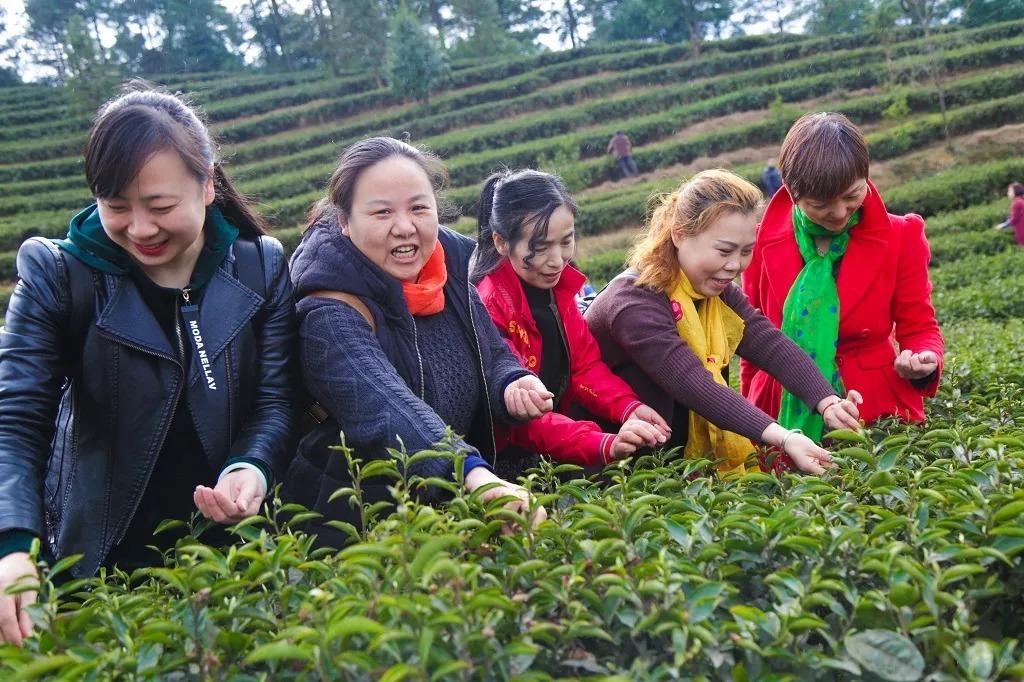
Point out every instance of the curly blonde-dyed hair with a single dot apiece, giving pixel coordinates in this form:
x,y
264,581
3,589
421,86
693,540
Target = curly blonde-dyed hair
x,y
687,212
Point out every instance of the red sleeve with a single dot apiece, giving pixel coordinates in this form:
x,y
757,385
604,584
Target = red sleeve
x,y
591,382
912,310
1017,213
563,439
751,277
501,320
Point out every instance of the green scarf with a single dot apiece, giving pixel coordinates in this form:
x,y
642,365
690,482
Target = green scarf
x,y
810,316
88,242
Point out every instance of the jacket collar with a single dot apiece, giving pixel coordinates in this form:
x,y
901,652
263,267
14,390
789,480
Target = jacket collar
x,y
326,259
505,283
860,264
227,305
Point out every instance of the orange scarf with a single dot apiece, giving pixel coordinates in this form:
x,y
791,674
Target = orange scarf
x,y
425,296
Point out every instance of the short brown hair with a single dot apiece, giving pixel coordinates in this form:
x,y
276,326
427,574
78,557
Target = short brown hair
x,y
822,155
692,209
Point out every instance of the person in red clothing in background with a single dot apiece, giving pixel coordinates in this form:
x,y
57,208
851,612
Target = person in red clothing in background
x,y
843,278
521,269
1015,192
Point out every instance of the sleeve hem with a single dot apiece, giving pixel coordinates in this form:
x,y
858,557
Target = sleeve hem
x,y
14,541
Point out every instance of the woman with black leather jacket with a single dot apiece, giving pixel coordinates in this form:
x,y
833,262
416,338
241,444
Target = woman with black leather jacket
x,y
146,361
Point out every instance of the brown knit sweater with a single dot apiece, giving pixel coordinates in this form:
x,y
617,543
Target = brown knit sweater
x,y
637,334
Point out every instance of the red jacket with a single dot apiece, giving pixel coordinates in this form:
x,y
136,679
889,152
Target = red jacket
x,y
1017,218
591,382
884,296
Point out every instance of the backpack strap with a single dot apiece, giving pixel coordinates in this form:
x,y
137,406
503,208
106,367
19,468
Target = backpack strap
x,y
82,290
249,269
351,300
315,410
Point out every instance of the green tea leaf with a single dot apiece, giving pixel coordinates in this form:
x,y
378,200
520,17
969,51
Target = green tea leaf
x,y
276,651
887,654
42,666
1009,511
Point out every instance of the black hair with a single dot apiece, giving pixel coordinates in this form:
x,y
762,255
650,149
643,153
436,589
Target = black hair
x,y
360,156
127,132
509,202
1018,189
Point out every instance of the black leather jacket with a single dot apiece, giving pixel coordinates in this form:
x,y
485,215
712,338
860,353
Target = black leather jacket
x,y
74,462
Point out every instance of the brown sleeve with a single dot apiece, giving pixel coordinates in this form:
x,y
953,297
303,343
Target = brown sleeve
x,y
643,326
767,347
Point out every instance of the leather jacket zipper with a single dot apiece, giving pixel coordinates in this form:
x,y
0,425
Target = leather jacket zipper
x,y
127,520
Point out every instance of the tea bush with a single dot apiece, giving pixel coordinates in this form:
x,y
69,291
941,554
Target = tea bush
x,y
903,562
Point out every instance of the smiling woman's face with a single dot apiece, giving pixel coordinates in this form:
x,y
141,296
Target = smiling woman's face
x,y
834,213
393,220
714,258
543,268
158,218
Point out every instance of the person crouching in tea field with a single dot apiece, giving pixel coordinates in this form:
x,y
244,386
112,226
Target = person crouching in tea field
x,y
395,345
146,361
671,323
844,279
527,234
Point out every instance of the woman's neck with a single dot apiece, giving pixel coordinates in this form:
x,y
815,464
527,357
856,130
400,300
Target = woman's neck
x,y
177,273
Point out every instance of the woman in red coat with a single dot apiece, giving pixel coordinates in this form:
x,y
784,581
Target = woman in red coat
x,y
845,279
521,269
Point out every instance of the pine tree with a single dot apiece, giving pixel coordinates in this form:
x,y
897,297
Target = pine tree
x,y
416,62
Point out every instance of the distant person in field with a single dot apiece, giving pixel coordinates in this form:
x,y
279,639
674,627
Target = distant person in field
x,y
1015,192
771,179
624,153
395,345
527,234
845,279
146,360
672,322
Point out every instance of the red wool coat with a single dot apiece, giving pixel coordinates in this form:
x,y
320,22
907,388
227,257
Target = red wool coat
x,y
884,296
591,382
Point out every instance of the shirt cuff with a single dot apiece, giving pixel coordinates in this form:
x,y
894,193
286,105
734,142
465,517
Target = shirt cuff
x,y
472,462
251,463
924,383
12,541
630,409
596,448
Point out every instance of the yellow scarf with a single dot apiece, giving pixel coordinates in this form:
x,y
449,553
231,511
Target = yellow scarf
x,y
713,335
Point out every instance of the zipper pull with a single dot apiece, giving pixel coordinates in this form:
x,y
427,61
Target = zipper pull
x,y
185,297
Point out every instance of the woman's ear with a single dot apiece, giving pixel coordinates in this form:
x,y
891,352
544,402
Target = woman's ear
x,y
500,244
209,191
677,238
344,223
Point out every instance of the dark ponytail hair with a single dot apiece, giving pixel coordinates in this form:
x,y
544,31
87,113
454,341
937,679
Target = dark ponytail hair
x,y
509,202
128,130
358,157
